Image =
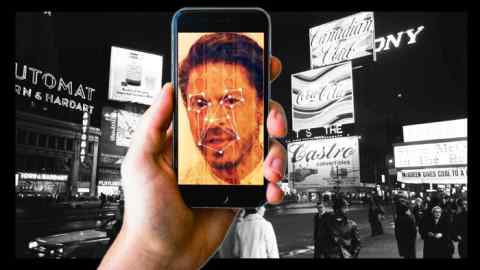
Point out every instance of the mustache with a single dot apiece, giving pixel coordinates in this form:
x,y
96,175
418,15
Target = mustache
x,y
218,133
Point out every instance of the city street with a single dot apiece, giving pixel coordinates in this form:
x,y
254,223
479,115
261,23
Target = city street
x,y
293,227
32,222
294,231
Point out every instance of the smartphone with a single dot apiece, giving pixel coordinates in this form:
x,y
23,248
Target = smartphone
x,y
220,72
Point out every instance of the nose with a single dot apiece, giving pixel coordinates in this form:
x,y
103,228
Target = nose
x,y
217,114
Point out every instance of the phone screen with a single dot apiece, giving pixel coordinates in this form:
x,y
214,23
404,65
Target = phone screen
x,y
221,108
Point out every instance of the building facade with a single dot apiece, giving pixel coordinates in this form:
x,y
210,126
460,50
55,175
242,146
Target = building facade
x,y
48,156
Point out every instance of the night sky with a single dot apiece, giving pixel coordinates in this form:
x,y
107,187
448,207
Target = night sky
x,y
431,75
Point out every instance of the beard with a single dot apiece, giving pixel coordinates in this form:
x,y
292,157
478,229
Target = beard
x,y
231,157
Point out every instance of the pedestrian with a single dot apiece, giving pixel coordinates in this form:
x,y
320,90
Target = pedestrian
x,y
436,234
255,236
375,215
318,225
460,228
405,231
102,200
338,234
418,211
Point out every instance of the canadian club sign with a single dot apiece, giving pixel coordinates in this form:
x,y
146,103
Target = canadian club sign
x,y
324,163
342,40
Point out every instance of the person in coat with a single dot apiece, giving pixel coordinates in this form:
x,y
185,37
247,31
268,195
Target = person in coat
x,y
405,231
375,215
318,225
437,236
338,234
418,211
254,236
460,228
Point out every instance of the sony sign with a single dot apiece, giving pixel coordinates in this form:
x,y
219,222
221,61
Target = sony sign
x,y
394,40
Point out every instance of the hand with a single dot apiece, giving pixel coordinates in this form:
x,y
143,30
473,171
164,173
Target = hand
x,y
159,230
438,235
430,234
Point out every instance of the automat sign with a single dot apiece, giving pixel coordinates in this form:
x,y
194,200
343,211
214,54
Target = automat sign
x,y
33,83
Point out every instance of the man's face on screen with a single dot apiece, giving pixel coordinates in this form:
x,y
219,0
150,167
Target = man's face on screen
x,y
224,112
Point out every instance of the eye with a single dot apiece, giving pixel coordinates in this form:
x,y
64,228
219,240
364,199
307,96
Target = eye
x,y
201,103
198,103
230,100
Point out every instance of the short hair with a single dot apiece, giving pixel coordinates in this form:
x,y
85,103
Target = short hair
x,y
436,208
230,48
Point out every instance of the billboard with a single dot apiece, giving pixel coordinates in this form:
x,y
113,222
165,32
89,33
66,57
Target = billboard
x,y
444,175
117,128
435,130
440,153
135,76
322,97
324,163
342,40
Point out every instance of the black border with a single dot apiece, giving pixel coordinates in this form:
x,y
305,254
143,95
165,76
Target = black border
x,y
221,20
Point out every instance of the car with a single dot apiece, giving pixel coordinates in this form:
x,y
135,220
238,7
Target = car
x,y
81,203
90,243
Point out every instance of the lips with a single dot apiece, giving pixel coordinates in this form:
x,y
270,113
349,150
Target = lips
x,y
217,142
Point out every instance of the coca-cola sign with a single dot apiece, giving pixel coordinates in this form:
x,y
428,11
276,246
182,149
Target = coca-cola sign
x,y
342,40
324,163
322,97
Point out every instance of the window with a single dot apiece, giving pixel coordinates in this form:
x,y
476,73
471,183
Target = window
x,y
61,143
21,136
51,142
42,140
90,148
32,138
69,144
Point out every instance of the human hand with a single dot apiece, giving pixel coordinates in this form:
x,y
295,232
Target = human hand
x,y
438,235
159,230
430,234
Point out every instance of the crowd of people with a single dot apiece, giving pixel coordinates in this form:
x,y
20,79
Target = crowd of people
x,y
439,220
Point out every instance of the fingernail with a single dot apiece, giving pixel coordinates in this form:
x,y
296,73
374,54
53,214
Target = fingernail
x,y
277,166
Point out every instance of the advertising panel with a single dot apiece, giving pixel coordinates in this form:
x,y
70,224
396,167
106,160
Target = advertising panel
x,y
135,76
444,175
342,40
324,163
435,130
442,153
323,97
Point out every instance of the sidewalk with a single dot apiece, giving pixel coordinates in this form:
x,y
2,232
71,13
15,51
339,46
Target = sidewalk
x,y
379,247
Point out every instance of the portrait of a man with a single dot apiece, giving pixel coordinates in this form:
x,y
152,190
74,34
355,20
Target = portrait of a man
x,y
221,109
